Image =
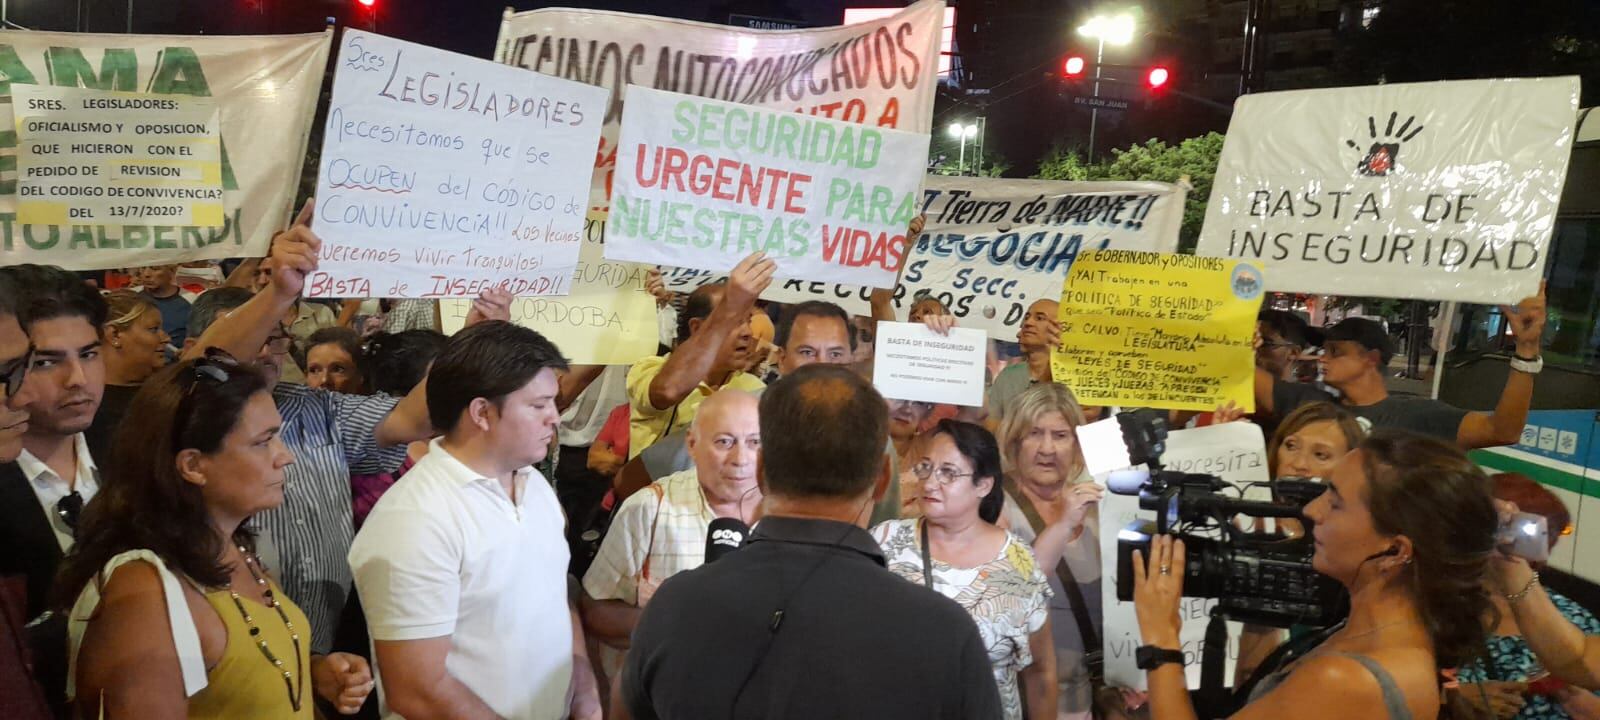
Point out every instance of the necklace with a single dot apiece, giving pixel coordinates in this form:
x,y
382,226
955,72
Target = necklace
x,y
296,690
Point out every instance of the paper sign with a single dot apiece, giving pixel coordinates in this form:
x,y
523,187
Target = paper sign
x,y
1103,448
264,90
607,319
704,183
915,363
1437,191
96,157
1236,453
1159,330
443,175
855,300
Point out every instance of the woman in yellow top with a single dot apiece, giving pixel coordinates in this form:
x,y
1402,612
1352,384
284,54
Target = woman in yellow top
x,y
172,614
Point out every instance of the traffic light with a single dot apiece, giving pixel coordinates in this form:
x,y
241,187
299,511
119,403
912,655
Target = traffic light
x,y
366,3
1156,79
1072,68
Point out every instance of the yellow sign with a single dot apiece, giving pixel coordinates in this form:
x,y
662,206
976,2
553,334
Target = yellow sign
x,y
93,157
1144,329
608,319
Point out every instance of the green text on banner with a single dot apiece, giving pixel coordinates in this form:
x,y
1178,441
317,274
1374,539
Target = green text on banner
x,y
444,175
704,183
265,89
1435,191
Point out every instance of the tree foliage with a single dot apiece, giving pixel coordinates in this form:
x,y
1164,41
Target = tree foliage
x,y
1195,158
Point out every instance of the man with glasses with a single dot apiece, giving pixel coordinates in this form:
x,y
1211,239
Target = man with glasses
x,y
43,490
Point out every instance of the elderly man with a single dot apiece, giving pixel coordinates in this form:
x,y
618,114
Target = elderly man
x,y
661,530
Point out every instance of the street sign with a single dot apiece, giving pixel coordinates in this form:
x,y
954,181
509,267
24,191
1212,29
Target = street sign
x,y
1100,102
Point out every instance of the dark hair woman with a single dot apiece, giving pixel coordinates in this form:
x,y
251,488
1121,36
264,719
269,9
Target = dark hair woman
x,y
172,614
988,571
334,361
1407,525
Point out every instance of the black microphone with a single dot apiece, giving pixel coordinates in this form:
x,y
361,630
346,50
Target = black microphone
x,y
724,536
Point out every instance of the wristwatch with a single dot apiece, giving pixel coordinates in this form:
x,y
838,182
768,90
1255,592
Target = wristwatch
x,y
1530,366
1150,657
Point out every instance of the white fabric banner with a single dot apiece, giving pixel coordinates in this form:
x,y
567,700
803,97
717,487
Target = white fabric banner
x,y
704,183
1235,452
1434,191
443,175
265,88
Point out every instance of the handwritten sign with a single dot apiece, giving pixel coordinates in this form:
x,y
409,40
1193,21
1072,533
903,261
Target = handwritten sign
x,y
1437,191
264,89
607,319
442,175
915,363
704,183
93,157
1159,330
1234,452
854,299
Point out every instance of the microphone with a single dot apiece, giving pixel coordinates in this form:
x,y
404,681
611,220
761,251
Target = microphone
x,y
1127,482
724,536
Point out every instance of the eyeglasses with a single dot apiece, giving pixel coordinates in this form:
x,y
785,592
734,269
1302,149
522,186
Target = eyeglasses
x,y
945,474
68,508
916,404
13,373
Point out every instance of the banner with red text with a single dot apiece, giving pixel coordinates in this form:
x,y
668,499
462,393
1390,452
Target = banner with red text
x,y
704,183
265,90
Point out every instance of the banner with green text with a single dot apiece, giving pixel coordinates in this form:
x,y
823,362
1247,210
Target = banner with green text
x,y
265,89
704,183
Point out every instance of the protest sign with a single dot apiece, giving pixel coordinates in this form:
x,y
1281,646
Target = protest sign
x,y
704,183
1159,330
607,319
880,73
93,157
1234,452
265,89
443,175
916,363
1436,191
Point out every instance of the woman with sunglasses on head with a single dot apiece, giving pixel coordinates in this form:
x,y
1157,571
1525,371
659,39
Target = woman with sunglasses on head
x,y
989,572
1407,526
172,614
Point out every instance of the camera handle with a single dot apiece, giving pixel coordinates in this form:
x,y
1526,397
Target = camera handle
x,y
1212,698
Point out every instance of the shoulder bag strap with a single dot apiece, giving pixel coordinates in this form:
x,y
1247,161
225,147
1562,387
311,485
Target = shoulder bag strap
x,y
649,549
927,555
1080,611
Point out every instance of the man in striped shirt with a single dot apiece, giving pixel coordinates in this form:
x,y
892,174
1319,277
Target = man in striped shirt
x,y
330,434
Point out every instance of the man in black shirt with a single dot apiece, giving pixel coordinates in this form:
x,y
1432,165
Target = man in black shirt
x,y
1356,352
806,622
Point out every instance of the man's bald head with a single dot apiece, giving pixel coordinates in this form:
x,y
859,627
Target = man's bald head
x,y
725,442
823,429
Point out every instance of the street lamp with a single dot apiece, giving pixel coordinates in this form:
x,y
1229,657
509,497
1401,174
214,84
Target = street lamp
x,y
1116,30
963,133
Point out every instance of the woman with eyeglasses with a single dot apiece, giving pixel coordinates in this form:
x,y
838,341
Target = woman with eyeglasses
x,y
172,613
956,549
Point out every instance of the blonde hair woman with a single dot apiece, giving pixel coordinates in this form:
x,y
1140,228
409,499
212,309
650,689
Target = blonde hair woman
x,y
134,348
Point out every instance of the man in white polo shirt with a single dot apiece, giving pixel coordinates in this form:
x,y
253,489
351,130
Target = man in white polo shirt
x,y
461,567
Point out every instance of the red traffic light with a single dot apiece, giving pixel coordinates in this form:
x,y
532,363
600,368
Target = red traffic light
x,y
1073,66
1157,77
366,3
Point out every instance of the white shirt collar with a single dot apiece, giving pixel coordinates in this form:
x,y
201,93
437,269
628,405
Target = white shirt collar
x,y
458,471
40,474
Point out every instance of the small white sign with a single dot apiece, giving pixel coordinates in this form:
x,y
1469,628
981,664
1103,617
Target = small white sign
x,y
1103,447
915,363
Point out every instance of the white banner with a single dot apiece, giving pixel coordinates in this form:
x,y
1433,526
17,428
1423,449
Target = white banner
x,y
880,73
1434,191
704,183
443,175
265,88
1235,452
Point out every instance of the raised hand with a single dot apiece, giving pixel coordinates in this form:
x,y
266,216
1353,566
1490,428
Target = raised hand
x,y
748,280
294,254
491,304
1527,322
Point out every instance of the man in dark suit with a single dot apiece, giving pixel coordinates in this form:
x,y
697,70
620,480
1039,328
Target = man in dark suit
x,y
45,486
20,695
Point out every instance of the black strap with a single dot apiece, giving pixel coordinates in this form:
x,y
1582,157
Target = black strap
x,y
1080,611
927,555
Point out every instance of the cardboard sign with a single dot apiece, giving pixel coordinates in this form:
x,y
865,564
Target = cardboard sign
x,y
1159,330
1234,452
97,157
704,183
915,363
854,299
1436,191
607,319
443,175
265,91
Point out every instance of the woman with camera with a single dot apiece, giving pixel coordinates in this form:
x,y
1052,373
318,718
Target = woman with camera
x,y
1407,525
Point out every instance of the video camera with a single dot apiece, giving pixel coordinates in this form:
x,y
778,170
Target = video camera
x,y
1256,577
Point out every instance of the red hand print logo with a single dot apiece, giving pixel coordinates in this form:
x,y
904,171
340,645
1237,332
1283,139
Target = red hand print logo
x,y
1380,156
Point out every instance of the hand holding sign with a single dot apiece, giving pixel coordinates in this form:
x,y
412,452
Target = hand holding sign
x,y
1527,323
492,304
749,279
294,254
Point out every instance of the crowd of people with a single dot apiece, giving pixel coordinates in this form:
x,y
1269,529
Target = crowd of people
x,y
245,504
